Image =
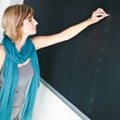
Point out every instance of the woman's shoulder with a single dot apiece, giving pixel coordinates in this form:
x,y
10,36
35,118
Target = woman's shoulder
x,y
2,55
2,51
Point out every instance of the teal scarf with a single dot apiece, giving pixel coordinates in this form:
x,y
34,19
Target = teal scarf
x,y
10,78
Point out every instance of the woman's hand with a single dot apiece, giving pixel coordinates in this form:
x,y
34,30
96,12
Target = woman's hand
x,y
98,15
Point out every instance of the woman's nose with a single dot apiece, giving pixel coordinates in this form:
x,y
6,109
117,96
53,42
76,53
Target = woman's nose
x,y
35,22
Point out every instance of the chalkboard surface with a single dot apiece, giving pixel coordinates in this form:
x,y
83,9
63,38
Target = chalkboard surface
x,y
85,69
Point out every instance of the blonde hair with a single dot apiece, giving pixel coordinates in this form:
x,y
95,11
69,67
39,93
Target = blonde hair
x,y
13,18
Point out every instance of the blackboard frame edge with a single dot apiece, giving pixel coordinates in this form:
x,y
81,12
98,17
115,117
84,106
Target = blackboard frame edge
x,y
68,103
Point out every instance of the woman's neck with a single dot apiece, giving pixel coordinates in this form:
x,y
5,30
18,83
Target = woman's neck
x,y
19,44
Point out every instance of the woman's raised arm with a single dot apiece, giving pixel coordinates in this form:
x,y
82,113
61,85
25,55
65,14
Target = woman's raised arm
x,y
43,41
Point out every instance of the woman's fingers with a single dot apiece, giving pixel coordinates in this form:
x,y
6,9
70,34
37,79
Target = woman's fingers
x,y
98,15
100,12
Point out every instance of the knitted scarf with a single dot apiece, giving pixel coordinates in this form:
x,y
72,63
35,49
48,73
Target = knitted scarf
x,y
11,76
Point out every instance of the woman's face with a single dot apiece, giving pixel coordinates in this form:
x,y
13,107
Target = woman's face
x,y
29,26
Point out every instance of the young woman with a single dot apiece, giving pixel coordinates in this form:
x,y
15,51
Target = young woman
x,y
19,69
